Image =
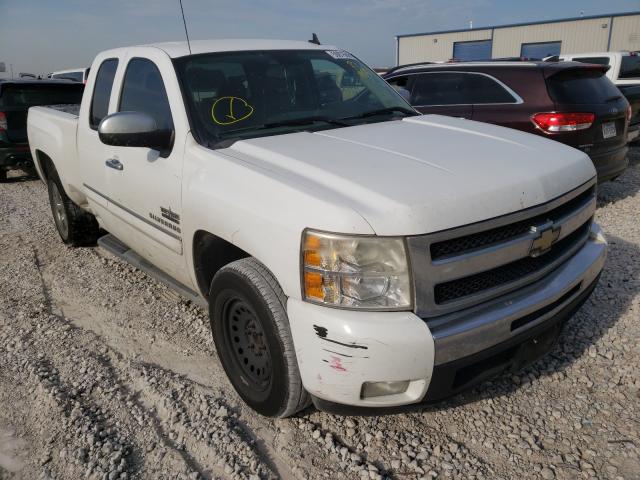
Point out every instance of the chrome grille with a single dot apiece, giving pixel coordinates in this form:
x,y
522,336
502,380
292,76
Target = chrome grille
x,y
467,243
455,289
463,267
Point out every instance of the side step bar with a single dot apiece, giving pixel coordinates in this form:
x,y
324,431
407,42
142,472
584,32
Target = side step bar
x,y
114,246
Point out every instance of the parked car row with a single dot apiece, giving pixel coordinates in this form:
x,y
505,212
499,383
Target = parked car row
x,y
571,102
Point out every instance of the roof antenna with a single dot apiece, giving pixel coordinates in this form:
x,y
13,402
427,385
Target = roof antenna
x,y
186,32
314,38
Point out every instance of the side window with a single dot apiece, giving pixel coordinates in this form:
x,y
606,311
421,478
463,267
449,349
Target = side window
x,y
481,89
401,85
458,88
102,92
439,89
143,91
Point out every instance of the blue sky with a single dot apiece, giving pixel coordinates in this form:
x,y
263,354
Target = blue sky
x,y
44,35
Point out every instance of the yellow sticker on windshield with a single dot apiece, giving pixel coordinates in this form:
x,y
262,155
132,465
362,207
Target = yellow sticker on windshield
x,y
230,110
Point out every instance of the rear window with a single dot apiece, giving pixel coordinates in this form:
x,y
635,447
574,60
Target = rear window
x,y
630,67
32,95
581,87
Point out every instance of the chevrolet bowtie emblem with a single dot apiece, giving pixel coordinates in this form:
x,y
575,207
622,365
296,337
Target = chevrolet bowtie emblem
x,y
546,236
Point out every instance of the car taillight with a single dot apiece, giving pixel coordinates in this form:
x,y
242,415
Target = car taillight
x,y
563,122
3,122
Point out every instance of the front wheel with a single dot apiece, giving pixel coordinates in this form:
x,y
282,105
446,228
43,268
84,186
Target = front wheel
x,y
252,336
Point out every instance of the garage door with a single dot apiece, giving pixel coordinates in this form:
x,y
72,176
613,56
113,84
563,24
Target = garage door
x,y
540,50
479,50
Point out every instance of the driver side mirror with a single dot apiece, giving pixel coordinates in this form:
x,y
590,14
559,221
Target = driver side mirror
x,y
134,129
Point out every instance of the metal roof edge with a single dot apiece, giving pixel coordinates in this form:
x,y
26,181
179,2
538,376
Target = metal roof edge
x,y
522,24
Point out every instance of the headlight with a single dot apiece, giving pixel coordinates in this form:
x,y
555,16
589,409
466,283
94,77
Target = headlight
x,y
358,272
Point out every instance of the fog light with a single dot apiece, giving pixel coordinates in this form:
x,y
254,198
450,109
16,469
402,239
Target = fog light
x,y
379,389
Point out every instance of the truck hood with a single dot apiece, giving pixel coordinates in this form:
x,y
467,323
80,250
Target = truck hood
x,y
422,174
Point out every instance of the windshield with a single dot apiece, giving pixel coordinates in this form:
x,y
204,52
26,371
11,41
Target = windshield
x,y
238,95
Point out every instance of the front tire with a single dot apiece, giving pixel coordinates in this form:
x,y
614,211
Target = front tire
x,y
252,336
75,226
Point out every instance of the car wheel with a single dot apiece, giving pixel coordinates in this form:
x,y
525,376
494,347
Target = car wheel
x,y
3,175
252,336
75,226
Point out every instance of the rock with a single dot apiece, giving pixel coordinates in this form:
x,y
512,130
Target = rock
x,y
547,473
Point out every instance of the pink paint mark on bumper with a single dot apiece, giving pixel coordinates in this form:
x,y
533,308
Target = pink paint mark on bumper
x,y
336,364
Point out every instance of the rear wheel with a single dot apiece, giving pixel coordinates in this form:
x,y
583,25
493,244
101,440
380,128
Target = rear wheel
x,y
75,226
252,336
3,175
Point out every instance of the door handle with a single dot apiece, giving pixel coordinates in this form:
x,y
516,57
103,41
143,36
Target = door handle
x,y
114,163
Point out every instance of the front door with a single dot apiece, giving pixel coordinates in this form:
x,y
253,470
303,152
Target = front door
x,y
145,185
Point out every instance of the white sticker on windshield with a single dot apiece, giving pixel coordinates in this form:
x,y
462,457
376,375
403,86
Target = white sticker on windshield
x,y
340,54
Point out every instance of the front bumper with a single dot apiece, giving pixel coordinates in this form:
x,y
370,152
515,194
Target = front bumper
x,y
339,350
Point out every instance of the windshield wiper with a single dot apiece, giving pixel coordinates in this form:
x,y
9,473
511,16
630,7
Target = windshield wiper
x,y
304,121
229,138
383,111
614,97
287,123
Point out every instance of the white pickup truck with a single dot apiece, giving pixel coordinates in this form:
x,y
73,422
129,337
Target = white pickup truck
x,y
350,251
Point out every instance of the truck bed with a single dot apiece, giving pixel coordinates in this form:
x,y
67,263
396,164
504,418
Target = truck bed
x,y
71,108
52,132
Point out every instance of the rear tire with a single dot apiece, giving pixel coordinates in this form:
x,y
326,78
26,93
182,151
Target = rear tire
x,y
75,226
252,336
3,176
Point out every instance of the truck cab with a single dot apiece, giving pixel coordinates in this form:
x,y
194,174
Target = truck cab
x,y
351,252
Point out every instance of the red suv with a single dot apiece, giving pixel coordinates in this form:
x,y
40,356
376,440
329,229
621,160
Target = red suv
x,y
573,103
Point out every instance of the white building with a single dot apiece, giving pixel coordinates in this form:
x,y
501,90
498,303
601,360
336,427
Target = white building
x,y
619,31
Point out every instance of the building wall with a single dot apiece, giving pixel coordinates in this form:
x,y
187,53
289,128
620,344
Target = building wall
x,y
423,47
626,33
577,36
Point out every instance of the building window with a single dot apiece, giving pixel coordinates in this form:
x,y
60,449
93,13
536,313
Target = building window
x,y
540,50
476,50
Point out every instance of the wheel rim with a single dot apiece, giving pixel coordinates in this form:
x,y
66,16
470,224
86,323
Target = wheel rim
x,y
247,342
59,213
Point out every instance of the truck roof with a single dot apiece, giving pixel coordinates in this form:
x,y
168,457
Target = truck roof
x,y
181,49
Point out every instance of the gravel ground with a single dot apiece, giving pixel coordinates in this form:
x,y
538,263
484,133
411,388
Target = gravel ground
x,y
106,374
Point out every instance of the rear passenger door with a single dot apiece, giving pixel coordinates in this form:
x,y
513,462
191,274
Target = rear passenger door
x,y
493,101
91,151
443,93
